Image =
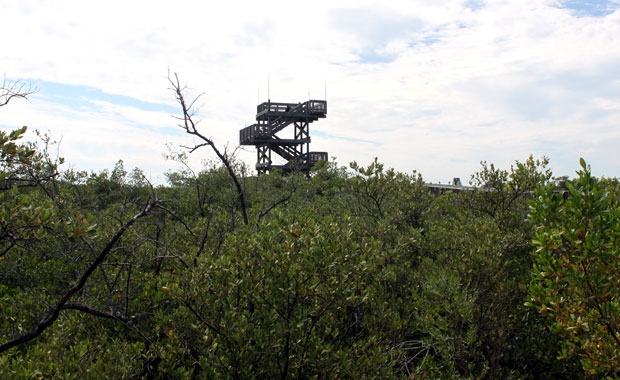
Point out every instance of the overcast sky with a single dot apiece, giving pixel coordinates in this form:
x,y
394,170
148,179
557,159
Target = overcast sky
x,y
433,86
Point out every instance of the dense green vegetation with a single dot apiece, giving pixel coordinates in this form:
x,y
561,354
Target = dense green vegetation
x,y
351,273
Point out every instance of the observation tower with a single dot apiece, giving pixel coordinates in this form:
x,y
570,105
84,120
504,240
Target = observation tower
x,y
272,118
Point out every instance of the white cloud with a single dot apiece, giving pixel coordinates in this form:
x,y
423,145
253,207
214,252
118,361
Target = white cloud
x,y
437,86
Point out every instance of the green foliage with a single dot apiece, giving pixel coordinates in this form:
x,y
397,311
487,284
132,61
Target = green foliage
x,y
474,283
576,276
358,273
23,164
277,303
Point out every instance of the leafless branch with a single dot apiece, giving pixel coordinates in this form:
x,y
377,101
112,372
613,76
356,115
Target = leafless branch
x,y
189,125
284,199
14,89
179,219
53,312
172,257
95,312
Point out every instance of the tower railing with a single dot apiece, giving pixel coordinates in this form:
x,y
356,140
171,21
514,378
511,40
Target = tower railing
x,y
273,117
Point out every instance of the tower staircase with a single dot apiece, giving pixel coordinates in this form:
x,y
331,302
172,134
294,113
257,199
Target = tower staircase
x,y
272,118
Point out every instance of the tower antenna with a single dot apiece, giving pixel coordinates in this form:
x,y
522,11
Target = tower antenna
x,y
268,88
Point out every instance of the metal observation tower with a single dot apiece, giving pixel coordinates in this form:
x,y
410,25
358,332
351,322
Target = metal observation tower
x,y
272,118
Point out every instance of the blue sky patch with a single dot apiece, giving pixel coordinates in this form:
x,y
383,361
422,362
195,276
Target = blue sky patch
x,y
427,40
589,8
371,56
6,127
430,39
80,97
92,101
474,5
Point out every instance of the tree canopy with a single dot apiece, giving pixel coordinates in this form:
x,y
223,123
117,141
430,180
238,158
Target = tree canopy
x,y
356,272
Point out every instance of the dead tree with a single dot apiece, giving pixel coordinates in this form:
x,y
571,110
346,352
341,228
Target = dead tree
x,y
188,124
14,89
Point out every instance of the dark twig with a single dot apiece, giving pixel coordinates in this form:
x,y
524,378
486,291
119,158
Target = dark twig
x,y
14,89
53,312
188,124
96,313
276,204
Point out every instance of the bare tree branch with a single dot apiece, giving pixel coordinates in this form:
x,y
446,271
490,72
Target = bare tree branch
x,y
53,312
14,89
179,219
97,313
283,199
189,125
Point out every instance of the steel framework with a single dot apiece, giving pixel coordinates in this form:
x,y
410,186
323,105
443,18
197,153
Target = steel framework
x,y
272,118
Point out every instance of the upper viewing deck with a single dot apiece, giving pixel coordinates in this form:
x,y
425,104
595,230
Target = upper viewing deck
x,y
273,117
312,108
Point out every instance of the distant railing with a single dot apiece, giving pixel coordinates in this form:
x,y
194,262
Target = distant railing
x,y
314,157
275,107
309,107
311,158
248,134
317,106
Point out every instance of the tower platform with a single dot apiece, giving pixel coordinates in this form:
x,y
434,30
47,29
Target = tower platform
x,y
273,117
